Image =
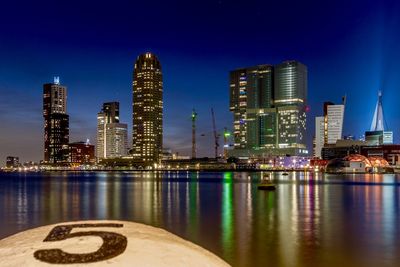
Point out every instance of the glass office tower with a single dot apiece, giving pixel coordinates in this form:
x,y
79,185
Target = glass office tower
x,y
269,109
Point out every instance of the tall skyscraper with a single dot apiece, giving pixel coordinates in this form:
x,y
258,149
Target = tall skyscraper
x,y
251,89
147,134
56,122
290,101
112,136
290,83
268,105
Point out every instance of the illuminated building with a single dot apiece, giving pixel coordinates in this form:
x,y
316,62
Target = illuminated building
x,y
290,101
12,162
387,137
342,148
251,91
374,138
112,136
333,122
56,123
147,133
101,135
111,112
319,136
269,111
81,153
290,83
377,134
116,140
353,163
391,153
108,114
329,128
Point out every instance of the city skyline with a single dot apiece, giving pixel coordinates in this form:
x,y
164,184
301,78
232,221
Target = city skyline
x,y
339,66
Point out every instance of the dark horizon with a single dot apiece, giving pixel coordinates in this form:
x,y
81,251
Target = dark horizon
x,y
349,48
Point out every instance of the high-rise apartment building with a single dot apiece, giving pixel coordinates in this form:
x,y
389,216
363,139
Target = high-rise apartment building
x,y
147,133
269,108
251,89
56,123
112,136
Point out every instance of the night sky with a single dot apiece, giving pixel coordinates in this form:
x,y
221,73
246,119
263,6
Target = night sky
x,y
350,47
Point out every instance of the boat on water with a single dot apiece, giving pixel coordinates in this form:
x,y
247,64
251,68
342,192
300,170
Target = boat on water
x,y
285,173
266,184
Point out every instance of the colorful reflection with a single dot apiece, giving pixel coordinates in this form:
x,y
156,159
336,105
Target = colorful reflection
x,y
227,215
309,220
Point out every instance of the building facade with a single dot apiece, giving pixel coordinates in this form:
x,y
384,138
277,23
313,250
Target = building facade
x,y
56,123
290,101
112,136
334,116
251,92
269,109
81,153
391,153
319,136
329,128
116,140
12,162
147,132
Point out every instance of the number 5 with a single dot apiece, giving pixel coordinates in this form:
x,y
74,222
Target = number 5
x,y
113,244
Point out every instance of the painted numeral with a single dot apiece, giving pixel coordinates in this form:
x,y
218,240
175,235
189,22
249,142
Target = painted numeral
x,y
113,244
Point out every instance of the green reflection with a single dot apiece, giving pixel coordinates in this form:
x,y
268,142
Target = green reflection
x,y
193,204
227,214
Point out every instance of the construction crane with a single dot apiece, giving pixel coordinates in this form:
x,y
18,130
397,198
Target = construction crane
x,y
194,117
216,144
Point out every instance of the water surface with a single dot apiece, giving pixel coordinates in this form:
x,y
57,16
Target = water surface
x,y
310,220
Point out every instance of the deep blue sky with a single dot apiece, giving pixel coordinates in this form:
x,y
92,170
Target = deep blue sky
x,y
350,47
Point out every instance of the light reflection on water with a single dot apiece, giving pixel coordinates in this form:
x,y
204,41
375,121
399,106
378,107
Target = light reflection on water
x,y
310,220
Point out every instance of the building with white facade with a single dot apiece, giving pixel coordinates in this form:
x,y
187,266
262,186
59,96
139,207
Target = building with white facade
x,y
112,136
335,116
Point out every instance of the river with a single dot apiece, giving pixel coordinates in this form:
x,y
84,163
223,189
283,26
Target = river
x,y
311,219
